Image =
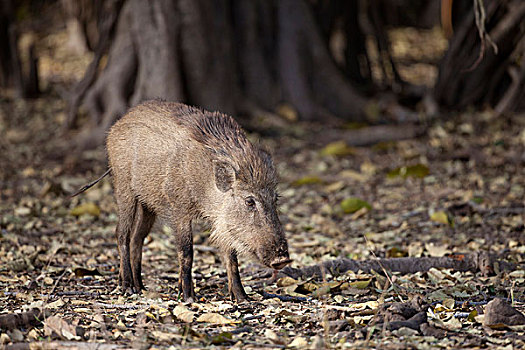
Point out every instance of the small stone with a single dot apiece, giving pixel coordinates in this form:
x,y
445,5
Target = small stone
x,y
16,336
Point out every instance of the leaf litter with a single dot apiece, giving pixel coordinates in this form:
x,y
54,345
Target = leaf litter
x,y
449,192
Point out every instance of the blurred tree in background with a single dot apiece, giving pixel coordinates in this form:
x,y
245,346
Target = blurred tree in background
x,y
314,57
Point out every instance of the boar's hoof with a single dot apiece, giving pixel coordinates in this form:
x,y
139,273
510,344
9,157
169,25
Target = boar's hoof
x,y
240,297
130,290
279,263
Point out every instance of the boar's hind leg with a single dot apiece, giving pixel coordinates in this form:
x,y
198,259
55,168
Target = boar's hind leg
x,y
144,219
184,242
126,214
235,287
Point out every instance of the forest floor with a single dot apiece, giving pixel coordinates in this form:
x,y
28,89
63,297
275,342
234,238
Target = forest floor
x,y
457,189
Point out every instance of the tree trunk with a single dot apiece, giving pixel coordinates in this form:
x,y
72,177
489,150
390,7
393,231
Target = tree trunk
x,y
228,55
10,67
472,74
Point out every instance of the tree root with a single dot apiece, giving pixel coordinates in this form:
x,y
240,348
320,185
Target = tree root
x,y
372,134
469,75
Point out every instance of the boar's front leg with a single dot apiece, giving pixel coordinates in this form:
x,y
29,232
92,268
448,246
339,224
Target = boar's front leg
x,y
184,243
235,287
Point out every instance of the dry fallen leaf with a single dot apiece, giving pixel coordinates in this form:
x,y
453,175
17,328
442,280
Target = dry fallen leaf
x,y
215,318
60,327
183,313
298,342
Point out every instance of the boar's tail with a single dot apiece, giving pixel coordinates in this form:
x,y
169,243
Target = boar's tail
x,y
91,184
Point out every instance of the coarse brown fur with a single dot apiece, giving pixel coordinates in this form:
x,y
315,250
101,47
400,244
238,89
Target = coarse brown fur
x,y
177,162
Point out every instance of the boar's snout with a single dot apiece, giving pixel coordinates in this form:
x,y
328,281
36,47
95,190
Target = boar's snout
x,y
280,262
276,258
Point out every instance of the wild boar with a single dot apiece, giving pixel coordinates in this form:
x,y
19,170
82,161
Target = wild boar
x,y
179,163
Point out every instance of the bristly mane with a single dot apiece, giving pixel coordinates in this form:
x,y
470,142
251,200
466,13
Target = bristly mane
x,y
225,139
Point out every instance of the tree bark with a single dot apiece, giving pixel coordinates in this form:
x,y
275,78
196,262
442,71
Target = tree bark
x,y
232,56
472,74
10,65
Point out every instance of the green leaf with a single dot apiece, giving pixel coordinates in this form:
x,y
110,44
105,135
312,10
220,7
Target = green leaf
x,y
477,200
307,180
360,284
472,316
221,338
338,148
354,125
353,204
418,171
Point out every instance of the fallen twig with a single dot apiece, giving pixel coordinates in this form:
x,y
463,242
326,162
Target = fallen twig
x,y
60,294
119,306
67,345
474,262
266,295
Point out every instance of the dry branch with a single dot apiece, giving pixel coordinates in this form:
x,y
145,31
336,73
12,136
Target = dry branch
x,y
475,262
67,345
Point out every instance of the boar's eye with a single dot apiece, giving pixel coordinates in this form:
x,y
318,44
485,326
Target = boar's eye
x,y
250,203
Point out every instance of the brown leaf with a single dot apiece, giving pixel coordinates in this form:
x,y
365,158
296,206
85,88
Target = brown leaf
x,y
215,318
498,312
60,327
82,272
183,313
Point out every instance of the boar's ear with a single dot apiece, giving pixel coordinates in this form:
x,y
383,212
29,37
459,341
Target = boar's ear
x,y
224,175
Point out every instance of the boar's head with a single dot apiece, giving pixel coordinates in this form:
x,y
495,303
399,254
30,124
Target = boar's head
x,y
247,218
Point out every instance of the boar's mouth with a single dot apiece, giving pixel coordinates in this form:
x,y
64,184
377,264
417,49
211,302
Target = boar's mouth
x,y
272,256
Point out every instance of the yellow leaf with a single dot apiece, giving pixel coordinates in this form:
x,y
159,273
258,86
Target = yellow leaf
x,y
360,284
307,180
441,217
416,171
472,316
287,112
215,318
286,281
86,208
